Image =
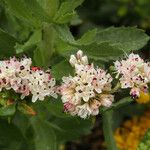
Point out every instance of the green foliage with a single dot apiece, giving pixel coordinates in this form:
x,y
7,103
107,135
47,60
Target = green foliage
x,y
145,143
30,11
10,136
65,126
44,11
46,130
7,43
64,34
45,48
44,136
88,37
8,110
105,44
66,11
127,38
40,29
33,41
14,26
67,70
49,6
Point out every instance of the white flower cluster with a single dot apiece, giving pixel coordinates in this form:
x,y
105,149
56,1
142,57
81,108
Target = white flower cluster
x,y
134,74
24,79
84,93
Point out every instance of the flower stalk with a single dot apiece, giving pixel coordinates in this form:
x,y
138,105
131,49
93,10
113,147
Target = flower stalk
x,y
108,131
116,88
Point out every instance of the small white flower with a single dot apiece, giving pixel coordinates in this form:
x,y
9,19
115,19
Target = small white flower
x,y
83,111
102,81
106,100
146,70
94,106
78,59
73,60
79,54
69,107
135,92
85,92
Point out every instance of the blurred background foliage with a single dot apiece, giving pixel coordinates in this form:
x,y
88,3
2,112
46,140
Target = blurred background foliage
x,y
105,13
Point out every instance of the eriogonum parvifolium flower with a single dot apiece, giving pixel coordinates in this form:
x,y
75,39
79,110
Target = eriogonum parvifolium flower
x,y
24,79
134,74
78,59
84,93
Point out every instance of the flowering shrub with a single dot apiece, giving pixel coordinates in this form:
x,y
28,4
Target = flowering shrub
x,y
42,108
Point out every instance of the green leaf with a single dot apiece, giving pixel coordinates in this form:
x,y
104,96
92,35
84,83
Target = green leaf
x,y
7,43
72,128
10,136
108,131
34,40
103,45
29,11
55,107
88,37
76,20
145,142
66,8
66,18
126,38
62,69
64,34
50,6
21,121
103,52
8,110
44,135
12,25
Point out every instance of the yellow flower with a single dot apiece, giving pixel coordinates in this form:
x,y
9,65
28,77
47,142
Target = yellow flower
x,y
144,98
129,135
